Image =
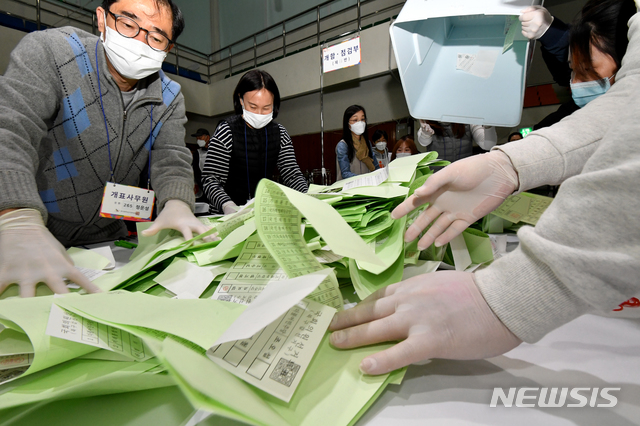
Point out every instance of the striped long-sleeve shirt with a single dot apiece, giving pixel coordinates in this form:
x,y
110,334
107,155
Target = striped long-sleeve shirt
x,y
216,166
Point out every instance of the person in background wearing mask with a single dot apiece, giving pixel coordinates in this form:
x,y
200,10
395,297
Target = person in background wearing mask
x,y
248,147
404,148
199,155
383,156
78,111
354,153
454,141
593,46
515,136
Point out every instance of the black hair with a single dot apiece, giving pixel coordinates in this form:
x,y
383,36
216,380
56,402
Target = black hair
x,y
378,134
603,24
178,19
514,134
346,130
256,80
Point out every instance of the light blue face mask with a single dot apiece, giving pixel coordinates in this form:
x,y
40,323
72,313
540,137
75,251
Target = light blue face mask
x,y
585,92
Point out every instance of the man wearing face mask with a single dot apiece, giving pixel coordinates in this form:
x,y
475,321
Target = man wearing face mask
x,y
82,117
248,147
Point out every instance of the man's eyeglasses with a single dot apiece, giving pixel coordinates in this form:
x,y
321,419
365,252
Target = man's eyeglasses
x,y
130,29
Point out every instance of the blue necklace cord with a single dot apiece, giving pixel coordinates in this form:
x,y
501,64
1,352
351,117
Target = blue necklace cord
x,y
106,127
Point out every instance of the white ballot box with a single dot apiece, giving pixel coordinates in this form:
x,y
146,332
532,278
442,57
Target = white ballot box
x,y
463,61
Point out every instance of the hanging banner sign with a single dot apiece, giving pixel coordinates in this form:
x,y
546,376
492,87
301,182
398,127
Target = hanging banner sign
x,y
342,55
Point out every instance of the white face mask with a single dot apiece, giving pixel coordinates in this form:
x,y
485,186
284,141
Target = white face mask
x,y
380,146
201,143
131,58
358,128
403,154
257,121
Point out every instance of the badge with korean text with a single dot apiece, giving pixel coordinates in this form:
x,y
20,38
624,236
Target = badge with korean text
x,y
127,202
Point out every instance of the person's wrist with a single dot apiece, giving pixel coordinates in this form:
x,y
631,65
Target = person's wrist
x,y
21,218
503,162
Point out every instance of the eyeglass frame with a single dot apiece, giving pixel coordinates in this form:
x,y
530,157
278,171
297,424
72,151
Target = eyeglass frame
x,y
146,37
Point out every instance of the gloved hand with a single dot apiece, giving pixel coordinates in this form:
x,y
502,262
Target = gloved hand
x,y
426,128
535,20
176,215
458,195
425,132
230,207
29,255
437,315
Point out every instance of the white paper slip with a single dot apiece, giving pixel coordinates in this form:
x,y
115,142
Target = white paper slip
x,y
275,299
481,64
107,253
185,279
275,358
465,61
370,179
461,256
69,326
91,274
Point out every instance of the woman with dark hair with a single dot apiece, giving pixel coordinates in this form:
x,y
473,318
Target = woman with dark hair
x,y
354,154
404,147
598,41
380,141
593,46
515,136
249,146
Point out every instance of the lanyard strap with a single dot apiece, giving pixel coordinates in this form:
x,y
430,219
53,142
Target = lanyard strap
x,y
106,127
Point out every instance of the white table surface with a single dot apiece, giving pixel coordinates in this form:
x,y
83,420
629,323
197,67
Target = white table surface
x,y
592,351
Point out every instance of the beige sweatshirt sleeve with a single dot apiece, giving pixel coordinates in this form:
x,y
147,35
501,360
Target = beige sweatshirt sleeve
x,y
584,253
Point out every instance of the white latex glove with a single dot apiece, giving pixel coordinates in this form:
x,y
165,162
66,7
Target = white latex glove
x,y
230,207
426,129
459,195
30,254
535,20
176,215
425,133
437,315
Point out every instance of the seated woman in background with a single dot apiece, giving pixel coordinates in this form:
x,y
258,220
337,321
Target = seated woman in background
x,y
248,147
454,141
354,154
380,141
404,148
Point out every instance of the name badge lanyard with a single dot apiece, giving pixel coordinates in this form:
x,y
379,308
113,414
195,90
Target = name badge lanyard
x,y
125,201
246,156
106,127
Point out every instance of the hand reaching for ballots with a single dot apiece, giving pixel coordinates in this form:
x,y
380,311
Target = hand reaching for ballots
x,y
30,254
459,195
437,315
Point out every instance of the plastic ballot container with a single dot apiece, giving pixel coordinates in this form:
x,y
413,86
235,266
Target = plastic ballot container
x,y
463,61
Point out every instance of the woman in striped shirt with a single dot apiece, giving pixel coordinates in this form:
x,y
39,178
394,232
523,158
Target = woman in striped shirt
x,y
249,146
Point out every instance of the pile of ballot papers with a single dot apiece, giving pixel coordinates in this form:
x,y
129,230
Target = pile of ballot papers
x,y
235,328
